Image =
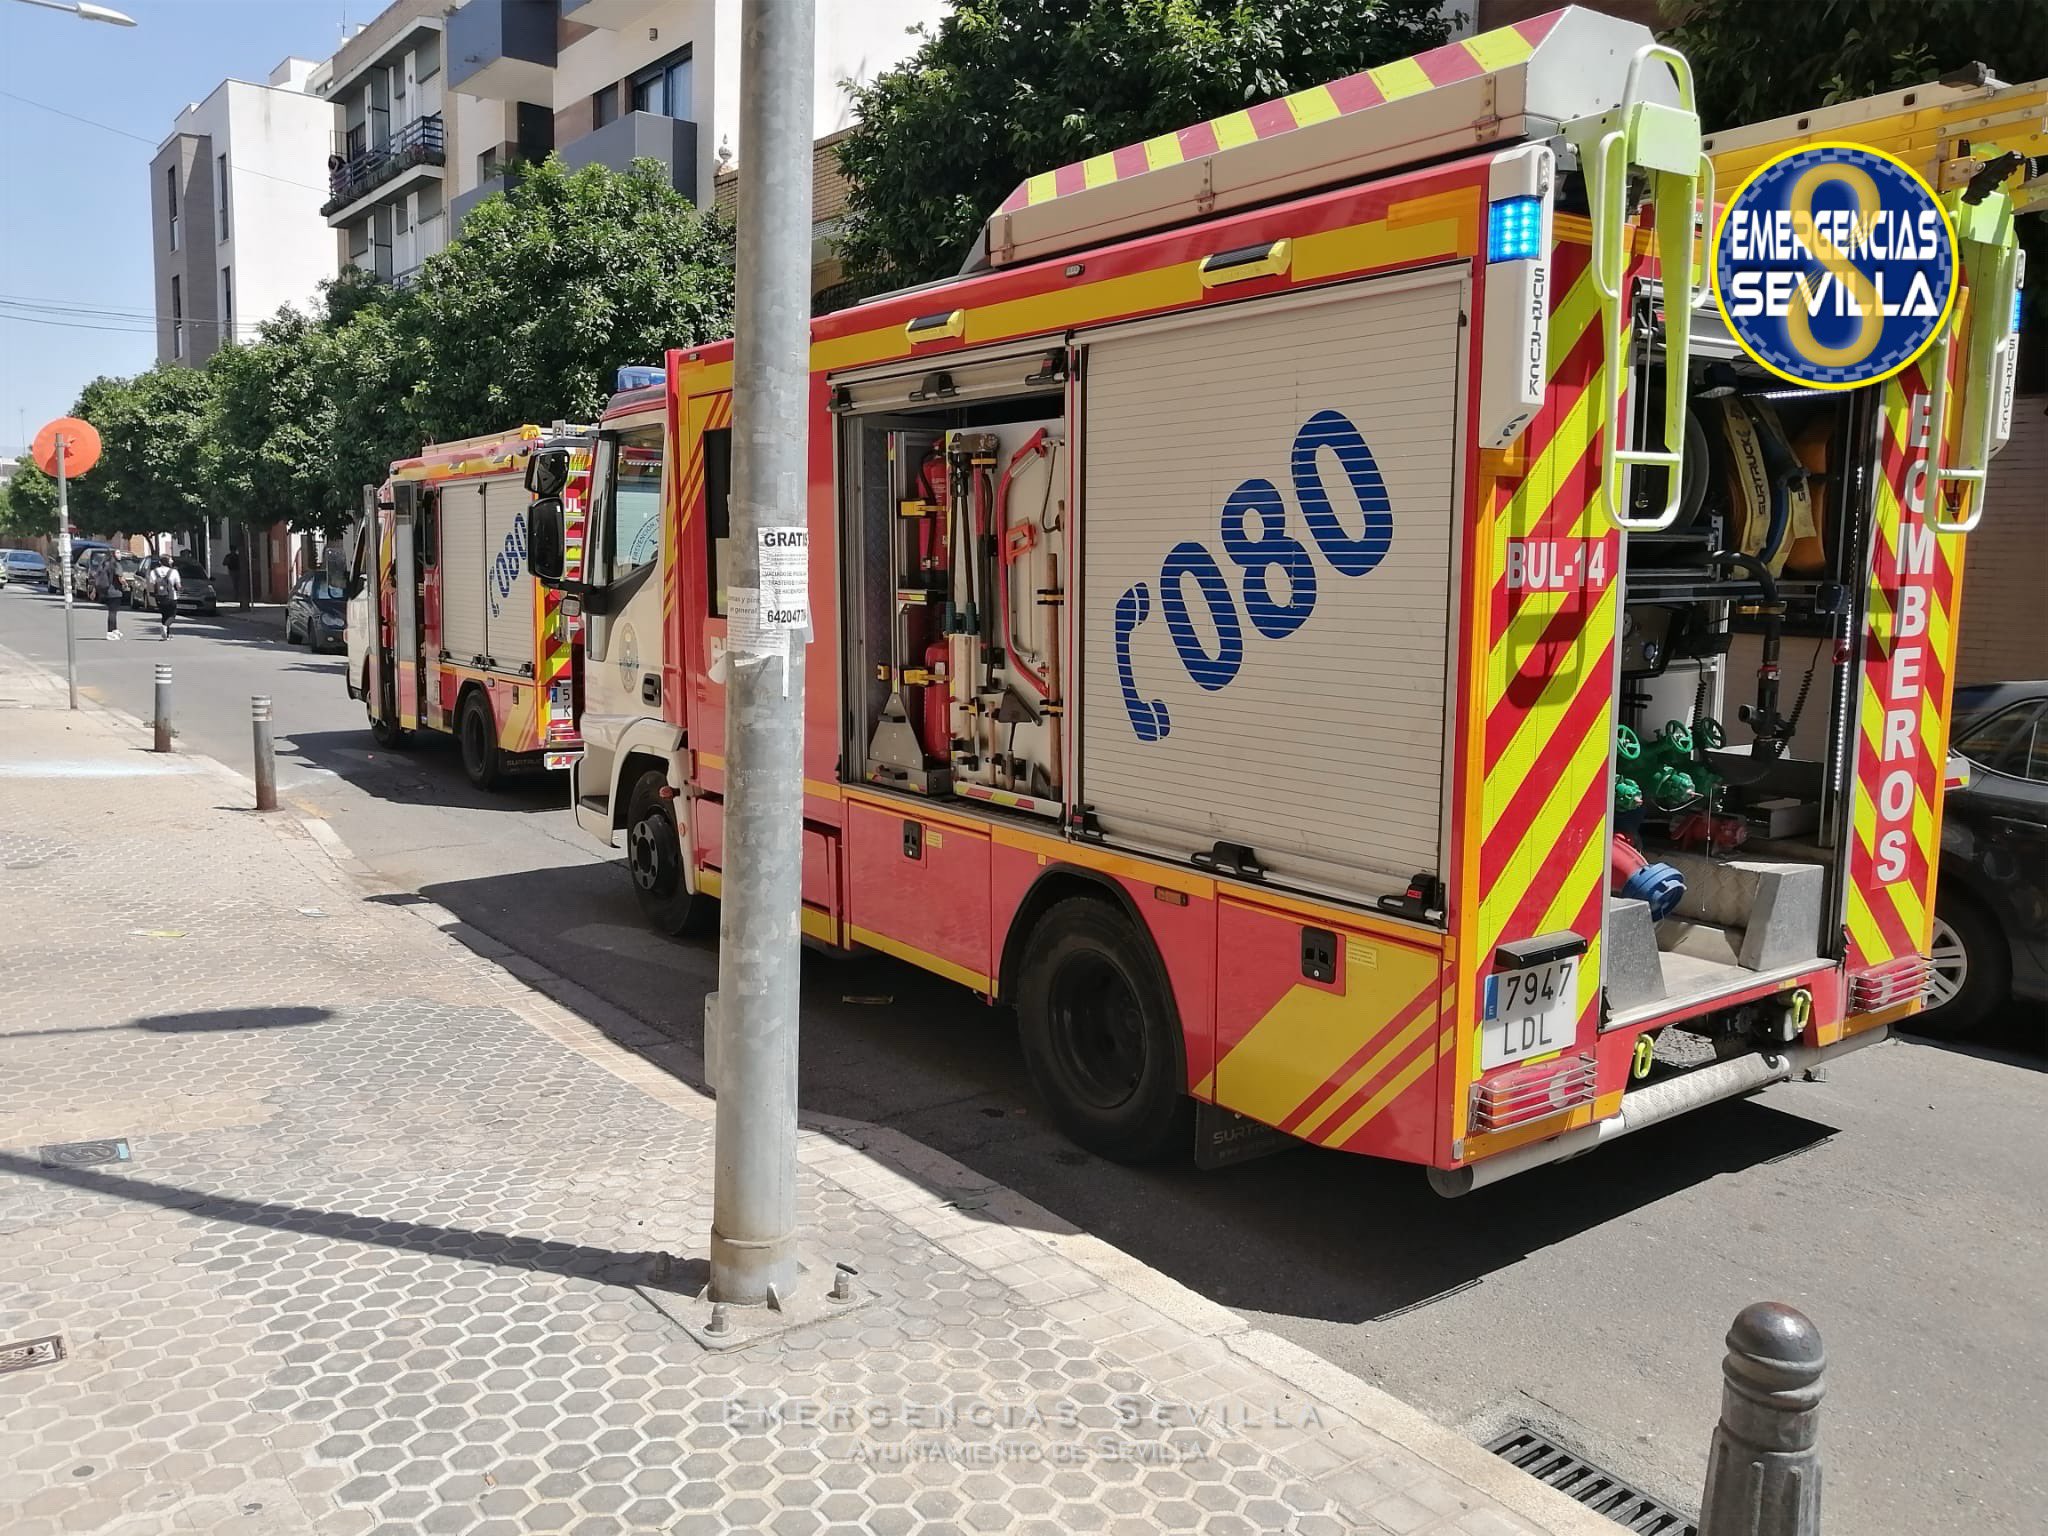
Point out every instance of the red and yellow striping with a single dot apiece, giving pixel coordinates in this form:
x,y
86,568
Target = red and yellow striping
x,y
1361,92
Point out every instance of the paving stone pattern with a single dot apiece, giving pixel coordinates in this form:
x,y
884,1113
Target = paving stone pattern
x,y
372,1266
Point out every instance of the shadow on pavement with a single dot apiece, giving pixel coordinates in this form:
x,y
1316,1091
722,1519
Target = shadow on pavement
x,y
569,1259
1307,1233
425,771
212,1021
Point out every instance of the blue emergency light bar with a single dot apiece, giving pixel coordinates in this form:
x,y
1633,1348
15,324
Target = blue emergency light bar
x,y
639,377
1514,229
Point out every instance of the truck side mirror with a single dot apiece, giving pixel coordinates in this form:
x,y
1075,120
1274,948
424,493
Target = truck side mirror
x,y
546,540
547,471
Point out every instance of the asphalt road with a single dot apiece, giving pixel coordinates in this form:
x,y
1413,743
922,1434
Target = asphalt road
x,y
1902,1203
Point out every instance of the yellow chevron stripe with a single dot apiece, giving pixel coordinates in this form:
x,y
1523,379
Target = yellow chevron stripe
x,y
1308,1129
1098,170
1863,930
1498,49
1558,689
1163,151
1233,129
1498,904
1393,1088
1039,189
1403,77
1314,105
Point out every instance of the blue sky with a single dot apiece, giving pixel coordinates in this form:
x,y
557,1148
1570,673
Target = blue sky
x,y
74,199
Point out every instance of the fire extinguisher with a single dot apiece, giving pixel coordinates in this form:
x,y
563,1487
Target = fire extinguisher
x,y
934,483
936,706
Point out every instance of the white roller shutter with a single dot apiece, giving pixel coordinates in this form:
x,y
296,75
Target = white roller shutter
x,y
462,573
1323,750
508,582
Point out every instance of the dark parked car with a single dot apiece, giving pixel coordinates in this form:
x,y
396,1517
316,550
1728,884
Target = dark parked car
x,y
317,615
1991,908
195,588
82,550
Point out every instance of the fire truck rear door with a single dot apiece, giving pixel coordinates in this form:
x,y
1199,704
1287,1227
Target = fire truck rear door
x,y
1268,535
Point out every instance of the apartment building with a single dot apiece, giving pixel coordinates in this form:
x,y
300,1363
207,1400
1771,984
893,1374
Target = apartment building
x,y
390,142
611,81
235,210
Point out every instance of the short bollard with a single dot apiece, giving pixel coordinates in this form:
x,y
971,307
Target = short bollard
x,y
266,756
1763,1468
163,707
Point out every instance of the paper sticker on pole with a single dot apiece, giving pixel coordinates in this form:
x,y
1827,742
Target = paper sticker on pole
x,y
1835,266
81,447
785,578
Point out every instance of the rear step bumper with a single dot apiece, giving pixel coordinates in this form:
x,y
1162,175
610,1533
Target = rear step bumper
x,y
1646,1106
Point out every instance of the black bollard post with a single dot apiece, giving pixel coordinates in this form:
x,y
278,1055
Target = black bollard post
x,y
1763,1468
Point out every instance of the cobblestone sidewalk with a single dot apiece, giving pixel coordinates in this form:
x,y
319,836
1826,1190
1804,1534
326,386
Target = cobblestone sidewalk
x,y
368,1237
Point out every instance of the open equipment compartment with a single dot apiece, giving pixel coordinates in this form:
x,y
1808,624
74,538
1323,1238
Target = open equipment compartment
x,y
1736,692
956,483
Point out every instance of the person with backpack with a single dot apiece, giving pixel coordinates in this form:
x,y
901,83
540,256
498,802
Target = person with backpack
x,y
166,584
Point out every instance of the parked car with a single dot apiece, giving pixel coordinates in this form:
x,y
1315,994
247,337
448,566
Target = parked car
x,y
195,587
82,550
317,614
25,565
105,570
1991,905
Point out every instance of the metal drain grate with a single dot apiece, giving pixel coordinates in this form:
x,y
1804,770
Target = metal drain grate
x,y
85,1154
1595,1487
31,1352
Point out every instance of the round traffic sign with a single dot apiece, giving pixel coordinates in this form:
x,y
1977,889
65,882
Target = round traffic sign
x,y
81,447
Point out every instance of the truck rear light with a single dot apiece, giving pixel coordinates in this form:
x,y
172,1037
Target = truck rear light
x,y
1529,1094
1886,986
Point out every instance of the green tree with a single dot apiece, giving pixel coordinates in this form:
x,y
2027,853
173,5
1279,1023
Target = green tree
x,y
1759,59
1003,89
528,316
28,505
271,433
152,428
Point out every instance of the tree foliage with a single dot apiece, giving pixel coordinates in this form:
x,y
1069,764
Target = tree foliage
x,y
1003,89
1759,59
526,317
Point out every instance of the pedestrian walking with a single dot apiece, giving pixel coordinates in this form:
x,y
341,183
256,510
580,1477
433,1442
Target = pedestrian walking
x,y
231,562
113,598
167,584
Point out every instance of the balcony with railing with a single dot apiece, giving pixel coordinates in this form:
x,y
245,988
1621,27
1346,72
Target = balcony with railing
x,y
360,169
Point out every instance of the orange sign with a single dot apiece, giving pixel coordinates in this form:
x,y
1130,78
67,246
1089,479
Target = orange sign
x,y
81,447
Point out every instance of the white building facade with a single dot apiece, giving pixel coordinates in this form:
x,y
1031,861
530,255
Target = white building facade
x,y
235,217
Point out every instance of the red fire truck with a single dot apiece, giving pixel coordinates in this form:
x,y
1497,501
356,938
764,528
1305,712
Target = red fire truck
x,y
1273,618
447,629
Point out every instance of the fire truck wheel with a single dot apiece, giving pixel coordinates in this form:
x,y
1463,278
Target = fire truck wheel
x,y
481,760
385,732
654,858
1099,1033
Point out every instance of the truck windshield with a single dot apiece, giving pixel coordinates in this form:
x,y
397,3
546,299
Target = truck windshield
x,y
635,523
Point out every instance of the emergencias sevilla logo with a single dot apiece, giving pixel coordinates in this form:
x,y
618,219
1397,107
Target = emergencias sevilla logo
x,y
1835,266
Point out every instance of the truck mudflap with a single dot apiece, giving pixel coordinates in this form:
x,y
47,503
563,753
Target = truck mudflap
x,y
1649,1104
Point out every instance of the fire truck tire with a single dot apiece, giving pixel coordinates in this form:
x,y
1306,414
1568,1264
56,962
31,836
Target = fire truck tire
x,y
1101,1038
482,763
384,731
654,860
